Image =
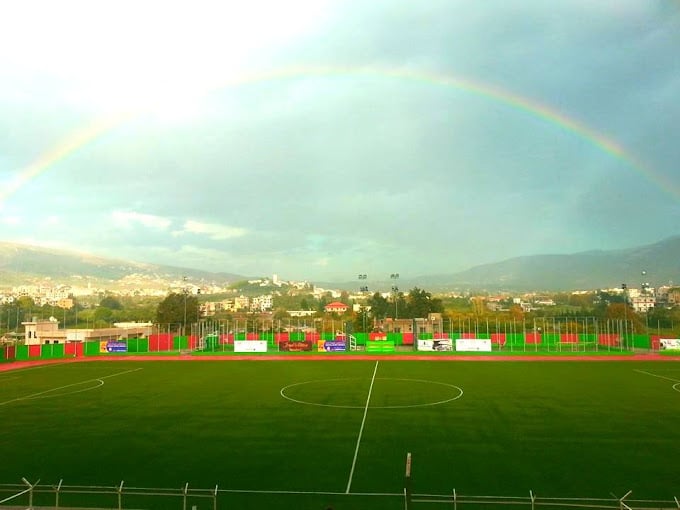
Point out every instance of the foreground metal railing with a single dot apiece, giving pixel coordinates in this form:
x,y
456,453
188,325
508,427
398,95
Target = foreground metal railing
x,y
34,496
533,502
112,497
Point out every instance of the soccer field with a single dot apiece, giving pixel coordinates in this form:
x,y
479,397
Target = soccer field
x,y
310,434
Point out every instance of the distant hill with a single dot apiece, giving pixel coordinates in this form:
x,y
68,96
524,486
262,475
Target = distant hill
x,y
578,271
21,264
585,270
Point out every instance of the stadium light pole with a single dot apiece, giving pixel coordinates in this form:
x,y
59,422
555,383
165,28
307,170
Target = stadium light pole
x,y
364,290
185,292
624,288
395,290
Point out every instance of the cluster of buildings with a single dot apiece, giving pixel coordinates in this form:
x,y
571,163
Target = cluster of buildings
x,y
263,303
641,300
45,332
58,296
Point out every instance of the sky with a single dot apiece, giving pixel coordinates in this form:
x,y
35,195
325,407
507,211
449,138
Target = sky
x,y
323,139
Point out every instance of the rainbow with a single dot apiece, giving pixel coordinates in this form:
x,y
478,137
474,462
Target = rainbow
x,y
90,133
71,144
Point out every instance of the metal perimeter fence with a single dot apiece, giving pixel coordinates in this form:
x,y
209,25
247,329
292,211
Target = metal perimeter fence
x,y
36,496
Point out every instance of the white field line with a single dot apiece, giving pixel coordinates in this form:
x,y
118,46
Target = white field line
x,y
17,371
656,375
318,493
34,395
361,429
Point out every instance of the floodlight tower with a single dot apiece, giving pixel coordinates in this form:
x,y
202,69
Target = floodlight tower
x,y
395,290
624,288
185,291
364,290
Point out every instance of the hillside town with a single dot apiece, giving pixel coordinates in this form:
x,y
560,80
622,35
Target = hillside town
x,y
641,299
80,313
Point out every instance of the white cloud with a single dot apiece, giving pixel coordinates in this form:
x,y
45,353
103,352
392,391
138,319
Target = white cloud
x,y
11,220
128,219
323,262
212,230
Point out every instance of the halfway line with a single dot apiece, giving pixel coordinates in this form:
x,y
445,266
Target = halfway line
x,y
28,397
361,430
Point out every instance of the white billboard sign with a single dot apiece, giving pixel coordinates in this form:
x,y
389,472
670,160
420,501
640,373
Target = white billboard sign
x,y
669,344
250,346
473,344
438,344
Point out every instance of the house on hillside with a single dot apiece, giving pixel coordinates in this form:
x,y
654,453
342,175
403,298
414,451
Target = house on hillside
x,y
336,307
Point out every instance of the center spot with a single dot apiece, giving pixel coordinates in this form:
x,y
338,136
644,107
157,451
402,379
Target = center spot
x,y
387,393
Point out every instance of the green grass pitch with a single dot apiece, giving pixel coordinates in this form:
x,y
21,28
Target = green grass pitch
x,y
305,434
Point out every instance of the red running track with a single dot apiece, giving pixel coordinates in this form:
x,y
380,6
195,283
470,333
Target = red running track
x,y
16,365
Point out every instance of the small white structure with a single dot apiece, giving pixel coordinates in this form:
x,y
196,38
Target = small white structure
x,y
41,331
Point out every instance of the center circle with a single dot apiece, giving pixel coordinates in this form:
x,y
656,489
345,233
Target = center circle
x,y
318,386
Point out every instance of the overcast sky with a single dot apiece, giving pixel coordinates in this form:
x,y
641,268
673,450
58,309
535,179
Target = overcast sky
x,y
320,139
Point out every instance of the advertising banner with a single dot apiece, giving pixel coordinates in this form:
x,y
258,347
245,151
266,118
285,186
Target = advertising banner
x,y
331,346
671,344
439,344
250,346
307,345
473,344
380,346
111,346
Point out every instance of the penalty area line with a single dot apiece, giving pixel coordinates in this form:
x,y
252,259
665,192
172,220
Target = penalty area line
x,y
34,395
656,375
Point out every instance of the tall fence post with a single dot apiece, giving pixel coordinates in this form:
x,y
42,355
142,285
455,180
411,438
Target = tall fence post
x,y
677,503
184,496
215,498
455,499
622,505
533,500
30,492
407,480
120,495
56,494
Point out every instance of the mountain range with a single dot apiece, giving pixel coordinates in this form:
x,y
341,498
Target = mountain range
x,y
656,264
25,264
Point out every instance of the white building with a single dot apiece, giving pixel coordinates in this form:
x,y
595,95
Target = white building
x,y
642,303
40,332
262,303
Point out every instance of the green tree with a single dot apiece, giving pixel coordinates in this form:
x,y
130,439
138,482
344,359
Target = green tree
x,y
173,309
379,306
111,303
420,303
621,311
103,315
280,314
362,320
